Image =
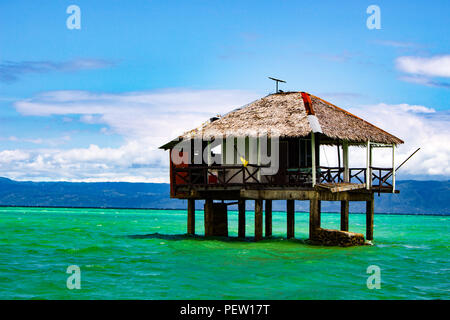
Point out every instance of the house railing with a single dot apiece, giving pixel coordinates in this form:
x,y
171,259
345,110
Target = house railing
x,y
252,175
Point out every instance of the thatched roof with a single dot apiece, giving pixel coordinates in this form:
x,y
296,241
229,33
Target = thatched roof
x,y
284,115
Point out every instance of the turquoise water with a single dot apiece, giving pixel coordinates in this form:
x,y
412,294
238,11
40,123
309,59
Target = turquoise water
x,y
144,254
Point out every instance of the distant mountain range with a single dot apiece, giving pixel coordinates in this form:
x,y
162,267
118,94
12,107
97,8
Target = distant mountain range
x,y
416,197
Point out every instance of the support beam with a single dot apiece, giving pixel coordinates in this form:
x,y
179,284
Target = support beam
x,y
258,157
345,160
314,217
344,215
369,219
290,209
216,219
241,219
325,195
258,219
393,168
338,154
368,165
191,217
208,212
313,158
268,216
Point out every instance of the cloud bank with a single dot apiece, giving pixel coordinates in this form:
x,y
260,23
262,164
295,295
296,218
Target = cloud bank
x,y
147,119
421,70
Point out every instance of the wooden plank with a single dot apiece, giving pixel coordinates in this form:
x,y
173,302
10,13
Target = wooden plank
x,y
290,210
341,187
241,219
344,215
191,217
268,217
325,195
258,220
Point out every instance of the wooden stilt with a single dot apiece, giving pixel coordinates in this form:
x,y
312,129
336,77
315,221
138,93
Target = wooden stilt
x,y
258,220
268,216
241,219
290,218
314,217
369,219
344,215
208,209
191,217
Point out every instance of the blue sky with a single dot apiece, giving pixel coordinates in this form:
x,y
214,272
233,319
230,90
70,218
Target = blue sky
x,y
93,104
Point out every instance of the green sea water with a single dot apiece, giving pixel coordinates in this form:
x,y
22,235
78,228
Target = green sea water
x,y
144,254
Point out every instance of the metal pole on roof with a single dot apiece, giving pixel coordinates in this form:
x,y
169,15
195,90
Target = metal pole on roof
x,y
276,81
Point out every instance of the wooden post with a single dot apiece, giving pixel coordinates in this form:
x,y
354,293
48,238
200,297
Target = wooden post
x,y
393,168
314,217
368,166
258,158
344,215
268,216
258,219
369,219
208,209
345,160
290,209
313,158
241,219
191,217
338,154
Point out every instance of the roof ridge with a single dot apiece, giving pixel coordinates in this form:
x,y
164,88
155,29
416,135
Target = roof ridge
x,y
351,114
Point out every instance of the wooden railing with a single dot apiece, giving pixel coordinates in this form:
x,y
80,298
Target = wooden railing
x,y
381,178
250,175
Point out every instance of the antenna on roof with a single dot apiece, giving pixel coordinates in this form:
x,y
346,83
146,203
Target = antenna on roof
x,y
277,80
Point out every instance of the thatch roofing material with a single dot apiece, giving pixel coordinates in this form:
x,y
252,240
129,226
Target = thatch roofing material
x,y
284,115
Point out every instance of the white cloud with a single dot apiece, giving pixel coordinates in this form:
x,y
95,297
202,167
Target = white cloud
x,y
146,120
8,156
437,66
159,115
418,126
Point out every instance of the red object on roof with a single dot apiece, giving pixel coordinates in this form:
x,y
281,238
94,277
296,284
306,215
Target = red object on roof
x,y
308,104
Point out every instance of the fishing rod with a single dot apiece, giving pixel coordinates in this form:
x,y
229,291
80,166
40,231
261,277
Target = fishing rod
x,y
390,174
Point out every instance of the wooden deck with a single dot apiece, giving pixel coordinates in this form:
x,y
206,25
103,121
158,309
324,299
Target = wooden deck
x,y
341,186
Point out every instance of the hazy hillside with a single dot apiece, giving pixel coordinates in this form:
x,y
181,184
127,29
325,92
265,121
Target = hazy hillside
x,y
418,197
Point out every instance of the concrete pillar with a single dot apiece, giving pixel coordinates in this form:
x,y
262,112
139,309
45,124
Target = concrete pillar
x,y
290,209
241,219
208,217
191,217
369,219
344,215
258,219
216,219
314,217
268,216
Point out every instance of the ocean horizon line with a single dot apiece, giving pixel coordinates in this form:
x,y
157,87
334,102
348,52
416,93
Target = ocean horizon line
x,y
131,208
